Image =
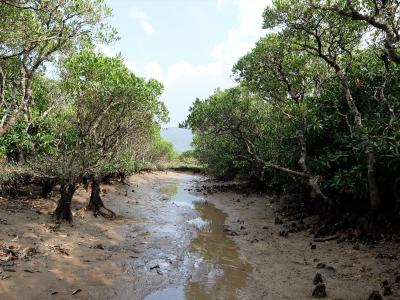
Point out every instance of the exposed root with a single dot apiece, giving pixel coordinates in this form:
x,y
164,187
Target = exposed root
x,y
106,213
63,210
96,204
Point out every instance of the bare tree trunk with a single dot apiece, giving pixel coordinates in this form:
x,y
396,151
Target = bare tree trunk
x,y
373,189
375,198
63,210
47,187
313,180
85,181
96,204
13,117
390,48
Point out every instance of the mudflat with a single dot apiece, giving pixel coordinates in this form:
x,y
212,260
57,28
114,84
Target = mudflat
x,y
178,237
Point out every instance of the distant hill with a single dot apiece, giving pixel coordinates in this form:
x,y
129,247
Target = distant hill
x,y
179,137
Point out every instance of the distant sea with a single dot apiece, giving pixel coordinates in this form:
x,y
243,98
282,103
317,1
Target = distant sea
x,y
179,137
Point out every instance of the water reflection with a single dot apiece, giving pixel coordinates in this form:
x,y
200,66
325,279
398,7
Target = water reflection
x,y
221,272
170,189
178,194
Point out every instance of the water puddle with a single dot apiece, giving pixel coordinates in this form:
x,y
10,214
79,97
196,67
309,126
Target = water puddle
x,y
170,189
179,195
218,271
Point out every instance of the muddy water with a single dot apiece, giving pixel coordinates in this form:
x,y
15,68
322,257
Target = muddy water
x,y
217,271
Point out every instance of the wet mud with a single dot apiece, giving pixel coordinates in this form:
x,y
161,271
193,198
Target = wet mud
x,y
218,271
172,240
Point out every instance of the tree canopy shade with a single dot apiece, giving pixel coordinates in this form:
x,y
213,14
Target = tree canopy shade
x,y
35,31
328,36
316,108
280,73
382,17
317,102
276,69
92,121
109,115
233,123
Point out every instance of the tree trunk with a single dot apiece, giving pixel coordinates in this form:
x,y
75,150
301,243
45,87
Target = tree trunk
x,y
96,205
390,42
375,198
107,178
63,210
20,156
396,194
85,181
313,180
47,188
122,177
373,189
26,99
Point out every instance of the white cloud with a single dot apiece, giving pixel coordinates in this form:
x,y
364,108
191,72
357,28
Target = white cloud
x,y
154,70
148,28
238,42
184,81
242,38
143,20
178,70
213,68
182,70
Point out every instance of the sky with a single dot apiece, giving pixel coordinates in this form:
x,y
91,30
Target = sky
x,y
188,45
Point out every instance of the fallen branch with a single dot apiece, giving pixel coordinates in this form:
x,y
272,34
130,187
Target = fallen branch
x,y
327,238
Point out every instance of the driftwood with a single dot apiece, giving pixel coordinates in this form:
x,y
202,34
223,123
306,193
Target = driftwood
x,y
327,238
